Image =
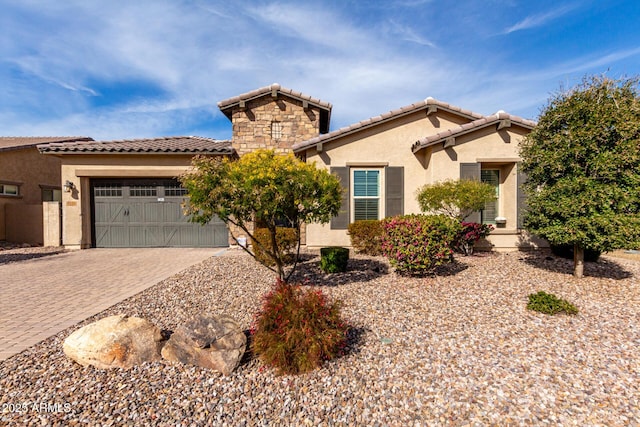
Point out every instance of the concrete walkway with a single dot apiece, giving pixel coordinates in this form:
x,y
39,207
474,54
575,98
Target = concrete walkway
x,y
41,297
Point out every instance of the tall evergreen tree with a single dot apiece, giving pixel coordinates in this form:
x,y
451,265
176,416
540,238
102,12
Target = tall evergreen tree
x,y
583,166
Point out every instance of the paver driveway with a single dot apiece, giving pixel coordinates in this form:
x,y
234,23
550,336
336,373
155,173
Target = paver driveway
x,y
41,297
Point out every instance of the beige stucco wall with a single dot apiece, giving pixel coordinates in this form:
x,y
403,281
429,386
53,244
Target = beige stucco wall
x,y
31,170
80,169
390,145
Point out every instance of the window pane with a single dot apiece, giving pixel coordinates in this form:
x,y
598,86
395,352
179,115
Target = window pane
x,y
9,189
490,211
365,209
142,191
365,183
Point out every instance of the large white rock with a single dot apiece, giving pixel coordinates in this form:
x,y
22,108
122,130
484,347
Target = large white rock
x,y
115,342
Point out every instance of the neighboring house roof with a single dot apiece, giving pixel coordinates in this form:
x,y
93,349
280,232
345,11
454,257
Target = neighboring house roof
x,y
429,104
8,143
227,104
168,145
501,119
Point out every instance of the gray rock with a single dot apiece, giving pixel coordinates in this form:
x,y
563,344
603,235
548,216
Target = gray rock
x,y
216,343
115,342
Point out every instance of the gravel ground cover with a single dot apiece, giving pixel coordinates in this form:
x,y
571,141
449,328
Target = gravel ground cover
x,y
459,348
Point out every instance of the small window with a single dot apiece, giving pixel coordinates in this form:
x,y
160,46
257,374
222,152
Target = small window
x,y
51,195
108,191
175,191
276,130
9,190
143,191
490,211
366,194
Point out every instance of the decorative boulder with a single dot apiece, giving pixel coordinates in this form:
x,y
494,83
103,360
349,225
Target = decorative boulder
x,y
115,342
216,343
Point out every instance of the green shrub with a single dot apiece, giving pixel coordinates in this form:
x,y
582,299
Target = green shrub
x,y
366,236
334,259
286,238
550,304
297,330
416,244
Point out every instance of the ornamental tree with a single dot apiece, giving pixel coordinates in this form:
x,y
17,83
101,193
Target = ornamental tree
x,y
455,198
263,187
583,167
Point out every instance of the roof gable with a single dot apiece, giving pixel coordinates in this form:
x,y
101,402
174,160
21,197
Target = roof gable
x,y
167,145
430,105
226,106
8,143
500,119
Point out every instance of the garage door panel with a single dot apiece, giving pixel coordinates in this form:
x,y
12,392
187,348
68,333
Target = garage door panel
x,y
137,215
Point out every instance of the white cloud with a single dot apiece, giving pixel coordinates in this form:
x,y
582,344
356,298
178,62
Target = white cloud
x,y
540,19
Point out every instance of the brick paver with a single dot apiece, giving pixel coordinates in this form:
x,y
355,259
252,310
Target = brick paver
x,y
41,297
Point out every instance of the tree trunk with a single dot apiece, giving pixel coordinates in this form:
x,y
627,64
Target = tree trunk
x,y
578,261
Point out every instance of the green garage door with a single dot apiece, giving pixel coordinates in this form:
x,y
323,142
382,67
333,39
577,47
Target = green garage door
x,y
148,213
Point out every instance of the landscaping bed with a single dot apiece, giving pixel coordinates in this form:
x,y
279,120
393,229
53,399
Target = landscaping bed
x,y
458,348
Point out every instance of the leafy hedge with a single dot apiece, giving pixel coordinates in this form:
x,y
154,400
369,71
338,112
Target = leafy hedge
x,y
366,236
416,244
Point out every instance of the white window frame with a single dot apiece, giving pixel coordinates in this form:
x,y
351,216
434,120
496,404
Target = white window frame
x,y
380,196
3,189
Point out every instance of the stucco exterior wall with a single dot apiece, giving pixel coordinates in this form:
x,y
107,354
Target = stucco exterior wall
x,y
252,124
390,145
31,171
80,169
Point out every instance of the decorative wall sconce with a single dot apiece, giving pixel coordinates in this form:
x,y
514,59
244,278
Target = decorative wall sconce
x,y
68,186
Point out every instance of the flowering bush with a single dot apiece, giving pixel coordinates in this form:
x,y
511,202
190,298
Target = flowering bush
x,y
471,232
416,244
296,330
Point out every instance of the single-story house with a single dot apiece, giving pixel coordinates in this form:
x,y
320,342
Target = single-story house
x,y
27,179
125,193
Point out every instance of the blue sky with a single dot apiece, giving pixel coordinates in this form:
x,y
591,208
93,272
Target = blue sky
x,y
145,68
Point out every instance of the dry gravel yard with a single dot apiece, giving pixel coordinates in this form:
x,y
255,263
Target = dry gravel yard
x,y
457,349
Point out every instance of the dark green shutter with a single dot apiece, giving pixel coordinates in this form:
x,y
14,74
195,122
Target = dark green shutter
x,y
471,171
394,191
522,196
341,221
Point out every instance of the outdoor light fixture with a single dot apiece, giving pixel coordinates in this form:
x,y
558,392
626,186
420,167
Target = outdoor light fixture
x,y
68,186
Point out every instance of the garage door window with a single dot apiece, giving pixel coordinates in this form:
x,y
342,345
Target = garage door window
x,y
143,191
108,191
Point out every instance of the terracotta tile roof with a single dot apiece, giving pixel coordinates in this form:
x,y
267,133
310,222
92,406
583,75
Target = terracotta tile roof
x,y
169,145
390,115
226,105
8,143
500,116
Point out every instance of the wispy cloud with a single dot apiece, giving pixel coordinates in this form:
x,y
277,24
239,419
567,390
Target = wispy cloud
x,y
540,19
407,33
158,67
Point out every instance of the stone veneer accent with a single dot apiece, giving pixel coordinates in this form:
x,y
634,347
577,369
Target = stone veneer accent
x,y
252,124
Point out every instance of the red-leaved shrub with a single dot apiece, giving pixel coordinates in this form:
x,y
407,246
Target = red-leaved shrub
x,y
471,232
297,329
